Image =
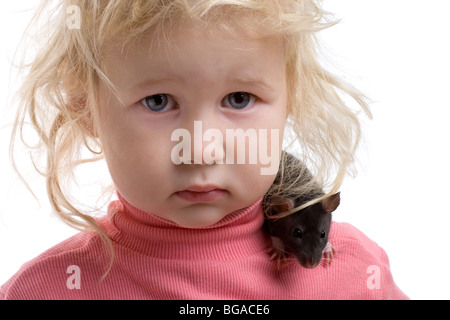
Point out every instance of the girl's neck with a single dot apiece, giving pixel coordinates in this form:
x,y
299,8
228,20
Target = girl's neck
x,y
238,234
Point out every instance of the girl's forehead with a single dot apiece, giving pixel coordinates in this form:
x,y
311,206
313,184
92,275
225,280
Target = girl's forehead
x,y
168,33
168,41
189,37
191,50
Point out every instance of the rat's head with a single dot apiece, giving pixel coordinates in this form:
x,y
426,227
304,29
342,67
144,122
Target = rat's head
x,y
305,233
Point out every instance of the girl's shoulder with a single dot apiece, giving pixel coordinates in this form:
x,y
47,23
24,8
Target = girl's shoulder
x,y
363,258
356,248
57,267
349,236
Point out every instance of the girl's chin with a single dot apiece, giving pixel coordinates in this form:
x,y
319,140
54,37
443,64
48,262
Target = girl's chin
x,y
198,216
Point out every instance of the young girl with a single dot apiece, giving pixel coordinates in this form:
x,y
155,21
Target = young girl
x,y
164,90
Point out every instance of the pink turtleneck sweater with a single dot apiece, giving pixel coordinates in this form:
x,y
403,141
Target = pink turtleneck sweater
x,y
157,259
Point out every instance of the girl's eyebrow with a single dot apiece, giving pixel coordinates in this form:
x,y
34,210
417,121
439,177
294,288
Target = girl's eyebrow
x,y
244,81
253,82
149,82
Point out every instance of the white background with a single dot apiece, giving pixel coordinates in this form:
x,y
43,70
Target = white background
x,y
395,51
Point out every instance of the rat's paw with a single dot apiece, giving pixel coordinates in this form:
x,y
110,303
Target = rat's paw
x,y
278,254
328,254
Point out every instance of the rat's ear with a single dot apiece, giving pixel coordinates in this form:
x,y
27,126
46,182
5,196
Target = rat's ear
x,y
331,203
280,204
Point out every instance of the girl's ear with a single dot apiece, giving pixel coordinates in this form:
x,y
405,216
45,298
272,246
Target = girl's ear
x,y
76,104
331,203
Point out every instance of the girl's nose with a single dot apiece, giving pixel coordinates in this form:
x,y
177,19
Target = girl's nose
x,y
207,143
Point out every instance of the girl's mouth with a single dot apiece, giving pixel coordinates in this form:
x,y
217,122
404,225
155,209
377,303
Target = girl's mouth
x,y
201,193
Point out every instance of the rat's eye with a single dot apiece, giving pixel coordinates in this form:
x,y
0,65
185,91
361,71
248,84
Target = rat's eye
x,y
239,100
158,102
298,233
323,234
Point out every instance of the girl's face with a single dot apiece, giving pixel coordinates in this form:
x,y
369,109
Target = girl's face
x,y
219,80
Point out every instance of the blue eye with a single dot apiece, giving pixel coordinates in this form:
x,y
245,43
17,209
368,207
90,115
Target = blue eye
x,y
157,102
239,100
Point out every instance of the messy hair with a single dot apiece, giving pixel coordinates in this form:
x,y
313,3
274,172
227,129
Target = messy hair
x,y
59,93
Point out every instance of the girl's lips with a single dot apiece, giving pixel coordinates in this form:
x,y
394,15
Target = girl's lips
x,y
208,195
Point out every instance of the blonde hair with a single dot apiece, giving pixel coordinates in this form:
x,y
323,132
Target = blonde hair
x,y
58,95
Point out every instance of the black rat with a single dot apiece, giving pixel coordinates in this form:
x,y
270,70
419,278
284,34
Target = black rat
x,y
302,234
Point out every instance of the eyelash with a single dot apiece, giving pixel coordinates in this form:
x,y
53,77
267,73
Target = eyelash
x,y
247,99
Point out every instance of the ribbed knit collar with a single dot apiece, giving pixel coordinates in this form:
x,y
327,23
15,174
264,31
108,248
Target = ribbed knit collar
x,y
239,234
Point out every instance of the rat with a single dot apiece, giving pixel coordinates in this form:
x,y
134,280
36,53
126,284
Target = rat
x,y
301,234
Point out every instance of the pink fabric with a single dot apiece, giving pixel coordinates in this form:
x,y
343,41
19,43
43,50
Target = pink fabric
x,y
156,259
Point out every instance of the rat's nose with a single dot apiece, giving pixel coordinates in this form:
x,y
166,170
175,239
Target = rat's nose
x,y
310,263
